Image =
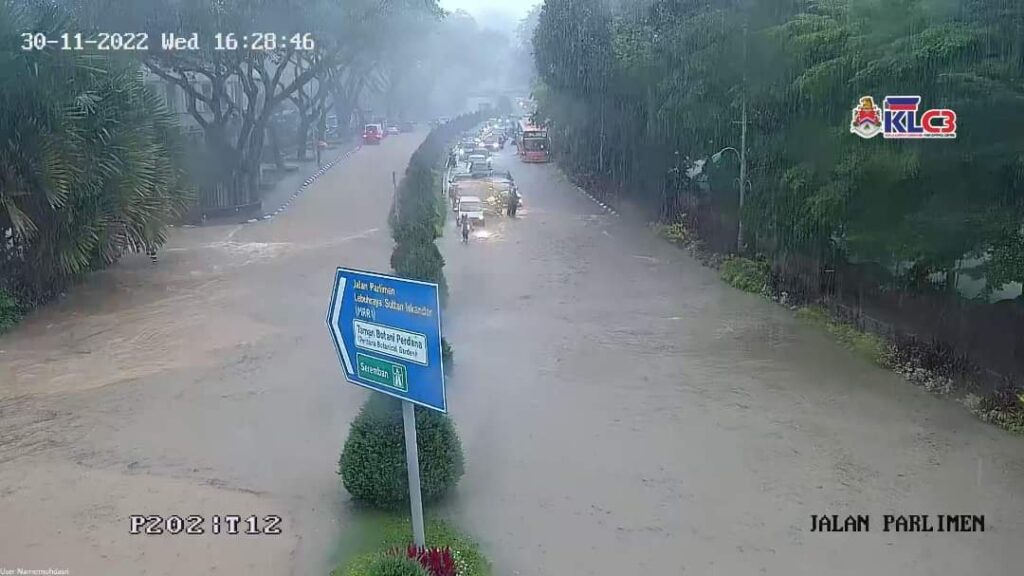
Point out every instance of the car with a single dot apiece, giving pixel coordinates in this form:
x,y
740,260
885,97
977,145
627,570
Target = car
x,y
372,134
492,143
472,208
480,167
393,130
485,152
407,127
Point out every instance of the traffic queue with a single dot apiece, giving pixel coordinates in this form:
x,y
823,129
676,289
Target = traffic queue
x,y
474,189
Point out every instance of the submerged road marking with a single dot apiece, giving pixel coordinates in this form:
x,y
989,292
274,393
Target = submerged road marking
x,y
342,240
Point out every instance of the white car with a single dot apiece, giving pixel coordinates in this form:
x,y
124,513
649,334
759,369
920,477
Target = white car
x,y
480,168
472,208
393,131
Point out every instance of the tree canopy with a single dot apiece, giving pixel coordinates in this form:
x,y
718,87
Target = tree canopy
x,y
633,91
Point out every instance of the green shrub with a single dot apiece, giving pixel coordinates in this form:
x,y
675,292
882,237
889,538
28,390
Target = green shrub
x,y
414,216
389,532
372,463
447,353
391,564
746,274
10,310
421,261
418,212
1004,408
674,233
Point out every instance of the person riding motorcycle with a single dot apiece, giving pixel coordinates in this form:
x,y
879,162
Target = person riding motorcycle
x,y
465,228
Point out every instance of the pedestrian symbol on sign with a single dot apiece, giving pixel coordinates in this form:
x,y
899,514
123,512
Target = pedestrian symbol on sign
x,y
399,377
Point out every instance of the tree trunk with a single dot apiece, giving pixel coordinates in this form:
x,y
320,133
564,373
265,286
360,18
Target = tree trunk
x,y
275,147
302,138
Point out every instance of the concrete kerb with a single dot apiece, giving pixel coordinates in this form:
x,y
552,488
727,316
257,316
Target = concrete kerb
x,y
604,206
306,184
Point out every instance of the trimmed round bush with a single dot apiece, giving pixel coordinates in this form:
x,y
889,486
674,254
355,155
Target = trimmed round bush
x,y
423,262
395,565
372,464
419,261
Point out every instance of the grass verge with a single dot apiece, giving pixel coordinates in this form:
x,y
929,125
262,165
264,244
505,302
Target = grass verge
x,y
1003,406
382,532
871,346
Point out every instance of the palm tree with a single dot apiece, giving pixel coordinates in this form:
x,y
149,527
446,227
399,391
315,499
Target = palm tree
x,y
90,161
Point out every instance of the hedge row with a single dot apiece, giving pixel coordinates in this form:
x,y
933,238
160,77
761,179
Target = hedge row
x,y
372,464
418,211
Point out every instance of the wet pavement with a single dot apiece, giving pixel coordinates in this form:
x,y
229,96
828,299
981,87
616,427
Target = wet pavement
x,y
625,412
206,384
622,411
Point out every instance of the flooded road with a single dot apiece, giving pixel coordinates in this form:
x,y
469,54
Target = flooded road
x,y
204,385
622,411
625,412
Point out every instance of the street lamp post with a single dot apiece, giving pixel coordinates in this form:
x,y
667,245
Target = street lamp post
x,y
742,154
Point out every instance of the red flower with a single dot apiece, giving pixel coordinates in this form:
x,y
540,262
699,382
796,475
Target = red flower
x,y
437,561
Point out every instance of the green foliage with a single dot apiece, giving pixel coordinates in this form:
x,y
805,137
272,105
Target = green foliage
x,y
418,261
90,161
372,464
746,274
674,233
627,88
389,532
870,346
391,564
447,353
418,212
10,310
1004,408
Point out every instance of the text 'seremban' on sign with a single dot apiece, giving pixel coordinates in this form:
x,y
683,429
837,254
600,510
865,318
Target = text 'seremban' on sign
x,y
387,332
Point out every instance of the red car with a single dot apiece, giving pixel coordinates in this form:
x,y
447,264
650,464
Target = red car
x,y
372,134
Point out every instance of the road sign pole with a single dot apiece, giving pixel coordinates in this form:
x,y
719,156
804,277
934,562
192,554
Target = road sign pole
x,y
387,332
412,460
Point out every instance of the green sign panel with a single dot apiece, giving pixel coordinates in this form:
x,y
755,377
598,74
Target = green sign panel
x,y
382,372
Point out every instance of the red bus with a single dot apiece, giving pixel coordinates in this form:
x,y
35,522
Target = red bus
x,y
533,143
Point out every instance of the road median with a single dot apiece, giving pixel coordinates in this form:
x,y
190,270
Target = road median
x,y
372,464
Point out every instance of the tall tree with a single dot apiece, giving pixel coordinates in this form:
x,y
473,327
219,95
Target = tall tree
x,y
90,162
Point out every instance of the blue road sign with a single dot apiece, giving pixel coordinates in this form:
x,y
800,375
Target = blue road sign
x,y
387,332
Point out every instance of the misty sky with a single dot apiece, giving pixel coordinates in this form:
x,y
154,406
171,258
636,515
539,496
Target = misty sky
x,y
515,8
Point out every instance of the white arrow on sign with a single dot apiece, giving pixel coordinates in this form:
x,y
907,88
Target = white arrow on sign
x,y
333,321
